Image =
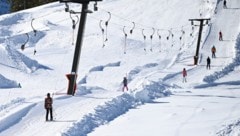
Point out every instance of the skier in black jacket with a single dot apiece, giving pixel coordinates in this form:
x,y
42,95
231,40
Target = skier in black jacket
x,y
224,4
125,84
208,63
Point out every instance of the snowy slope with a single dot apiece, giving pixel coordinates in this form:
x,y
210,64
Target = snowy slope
x,y
152,66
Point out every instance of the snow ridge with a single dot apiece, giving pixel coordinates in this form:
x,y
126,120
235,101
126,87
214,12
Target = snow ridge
x,y
116,107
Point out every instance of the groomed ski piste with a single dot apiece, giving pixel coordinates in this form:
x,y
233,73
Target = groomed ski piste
x,y
157,102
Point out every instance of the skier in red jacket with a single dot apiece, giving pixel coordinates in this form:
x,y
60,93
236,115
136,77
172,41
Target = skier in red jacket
x,y
184,73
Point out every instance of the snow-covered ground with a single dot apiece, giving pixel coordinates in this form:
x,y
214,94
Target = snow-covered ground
x,y
157,103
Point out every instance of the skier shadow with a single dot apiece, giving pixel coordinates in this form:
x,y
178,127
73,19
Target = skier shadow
x,y
155,102
64,121
224,57
233,88
233,8
218,96
217,84
228,40
211,65
100,98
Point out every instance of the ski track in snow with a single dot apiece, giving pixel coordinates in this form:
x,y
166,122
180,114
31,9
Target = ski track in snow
x,y
15,117
194,112
11,104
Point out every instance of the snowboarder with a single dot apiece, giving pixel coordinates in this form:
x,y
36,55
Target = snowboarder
x,y
213,52
35,51
208,63
220,36
184,73
48,106
124,84
224,4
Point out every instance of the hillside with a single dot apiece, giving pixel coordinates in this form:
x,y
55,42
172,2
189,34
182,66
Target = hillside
x,y
157,97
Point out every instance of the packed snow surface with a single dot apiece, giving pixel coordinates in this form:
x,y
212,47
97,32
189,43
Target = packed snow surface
x,y
147,41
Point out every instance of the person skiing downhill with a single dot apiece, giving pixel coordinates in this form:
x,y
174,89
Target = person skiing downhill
x,y
220,36
184,73
48,106
213,52
224,4
125,84
208,63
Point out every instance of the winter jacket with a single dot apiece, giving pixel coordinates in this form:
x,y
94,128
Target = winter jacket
x,y
125,81
48,103
213,49
208,60
184,73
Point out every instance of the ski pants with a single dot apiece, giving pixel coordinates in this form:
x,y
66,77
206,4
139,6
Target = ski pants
x,y
208,66
49,110
125,86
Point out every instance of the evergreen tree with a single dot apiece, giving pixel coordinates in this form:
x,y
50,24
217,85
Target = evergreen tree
x,y
17,5
4,7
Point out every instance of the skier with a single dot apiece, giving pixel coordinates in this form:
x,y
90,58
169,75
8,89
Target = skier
x,y
184,73
124,84
19,85
213,52
220,36
48,106
208,63
224,4
35,51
